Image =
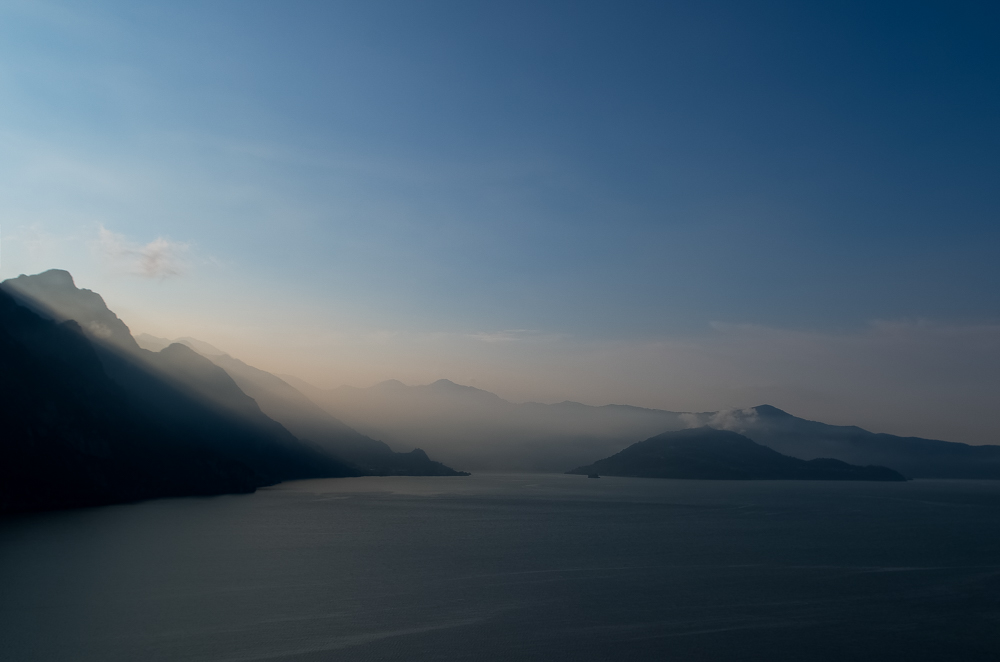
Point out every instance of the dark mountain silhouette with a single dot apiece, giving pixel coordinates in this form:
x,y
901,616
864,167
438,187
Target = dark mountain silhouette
x,y
71,437
479,430
182,384
175,399
54,295
307,421
708,454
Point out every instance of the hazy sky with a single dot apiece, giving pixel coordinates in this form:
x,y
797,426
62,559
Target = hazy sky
x,y
687,205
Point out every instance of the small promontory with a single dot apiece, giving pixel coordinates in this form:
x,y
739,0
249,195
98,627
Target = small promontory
x,y
708,454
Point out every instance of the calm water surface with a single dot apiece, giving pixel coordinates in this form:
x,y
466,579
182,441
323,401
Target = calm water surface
x,y
513,567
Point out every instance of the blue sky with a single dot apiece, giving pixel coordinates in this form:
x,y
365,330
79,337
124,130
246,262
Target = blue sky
x,y
588,175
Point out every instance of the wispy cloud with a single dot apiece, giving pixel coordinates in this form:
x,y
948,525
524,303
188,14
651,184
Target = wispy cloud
x,y
160,258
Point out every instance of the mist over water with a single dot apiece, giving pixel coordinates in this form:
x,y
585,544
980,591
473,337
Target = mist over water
x,y
513,567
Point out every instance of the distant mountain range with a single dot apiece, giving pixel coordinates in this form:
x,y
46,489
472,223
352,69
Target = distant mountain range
x,y
90,417
708,454
478,430
912,456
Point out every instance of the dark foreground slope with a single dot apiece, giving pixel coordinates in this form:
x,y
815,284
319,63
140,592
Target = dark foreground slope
x,y
89,417
188,396
709,454
190,400
306,420
69,436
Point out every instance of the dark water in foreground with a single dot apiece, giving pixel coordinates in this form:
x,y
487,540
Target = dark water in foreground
x,y
514,568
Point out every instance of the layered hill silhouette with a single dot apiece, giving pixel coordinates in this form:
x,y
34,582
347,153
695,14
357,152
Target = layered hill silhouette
x,y
90,417
306,420
913,456
708,454
479,430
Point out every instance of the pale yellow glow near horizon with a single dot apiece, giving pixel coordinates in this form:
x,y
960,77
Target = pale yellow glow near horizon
x,y
849,380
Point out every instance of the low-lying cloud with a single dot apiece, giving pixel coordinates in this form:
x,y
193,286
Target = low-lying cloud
x,y
736,420
160,258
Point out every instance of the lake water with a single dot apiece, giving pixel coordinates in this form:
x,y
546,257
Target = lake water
x,y
513,567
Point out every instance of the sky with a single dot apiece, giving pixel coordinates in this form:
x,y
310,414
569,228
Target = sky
x,y
684,205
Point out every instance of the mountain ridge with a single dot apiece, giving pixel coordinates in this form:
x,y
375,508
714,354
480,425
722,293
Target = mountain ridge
x,y
211,375
72,436
180,404
309,422
531,436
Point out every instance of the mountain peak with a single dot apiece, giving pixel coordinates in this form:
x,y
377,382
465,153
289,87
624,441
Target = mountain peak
x,y
201,346
450,386
771,412
54,295
389,384
444,383
56,278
